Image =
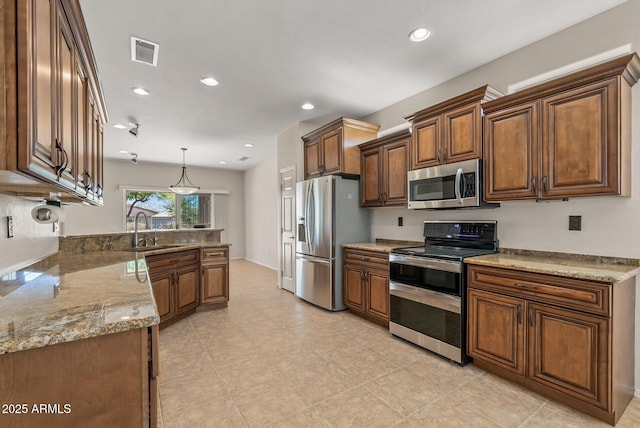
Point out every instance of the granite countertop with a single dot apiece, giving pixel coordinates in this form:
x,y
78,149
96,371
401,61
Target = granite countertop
x,y
68,297
382,246
593,268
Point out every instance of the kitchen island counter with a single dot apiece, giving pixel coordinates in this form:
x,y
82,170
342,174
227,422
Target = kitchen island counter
x,y
67,297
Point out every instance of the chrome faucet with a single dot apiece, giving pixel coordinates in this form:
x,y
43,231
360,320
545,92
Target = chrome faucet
x,y
136,241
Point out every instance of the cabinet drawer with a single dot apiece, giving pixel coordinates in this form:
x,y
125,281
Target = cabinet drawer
x,y
582,295
171,260
369,258
214,255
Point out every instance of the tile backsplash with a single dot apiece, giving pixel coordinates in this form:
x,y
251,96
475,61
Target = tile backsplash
x,y
31,241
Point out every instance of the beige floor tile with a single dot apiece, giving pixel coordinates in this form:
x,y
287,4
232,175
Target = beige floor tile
x,y
189,393
363,367
178,366
397,351
180,345
219,413
357,407
505,403
402,392
443,374
247,374
556,415
446,412
309,417
270,402
177,330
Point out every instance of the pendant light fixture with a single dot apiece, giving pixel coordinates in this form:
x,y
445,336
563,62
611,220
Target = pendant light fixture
x,y
184,186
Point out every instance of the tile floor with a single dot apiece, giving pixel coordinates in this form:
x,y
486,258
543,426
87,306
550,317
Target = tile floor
x,y
272,360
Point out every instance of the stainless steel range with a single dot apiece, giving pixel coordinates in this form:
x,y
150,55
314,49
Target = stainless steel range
x,y
428,285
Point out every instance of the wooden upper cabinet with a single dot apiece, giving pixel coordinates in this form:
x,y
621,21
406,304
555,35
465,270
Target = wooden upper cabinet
x,y
510,153
567,137
54,69
450,131
384,166
332,148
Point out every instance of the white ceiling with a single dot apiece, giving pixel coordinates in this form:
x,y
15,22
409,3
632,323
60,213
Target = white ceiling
x,y
348,57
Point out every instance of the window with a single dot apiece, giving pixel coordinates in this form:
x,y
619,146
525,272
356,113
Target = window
x,y
194,211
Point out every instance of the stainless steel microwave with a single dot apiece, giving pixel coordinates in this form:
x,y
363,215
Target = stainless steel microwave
x,y
454,185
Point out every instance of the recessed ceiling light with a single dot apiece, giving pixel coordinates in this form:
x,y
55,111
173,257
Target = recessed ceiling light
x,y
124,152
419,34
140,91
222,163
120,126
307,106
209,81
248,145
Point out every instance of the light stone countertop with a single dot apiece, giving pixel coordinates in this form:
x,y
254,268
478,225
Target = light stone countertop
x,y
68,297
593,268
381,247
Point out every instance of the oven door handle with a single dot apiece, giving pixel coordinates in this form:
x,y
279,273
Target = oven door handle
x,y
442,301
457,186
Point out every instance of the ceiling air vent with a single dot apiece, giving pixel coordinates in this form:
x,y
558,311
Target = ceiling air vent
x,y
243,158
144,51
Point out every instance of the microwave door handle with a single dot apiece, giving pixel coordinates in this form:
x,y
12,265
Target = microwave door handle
x,y
457,186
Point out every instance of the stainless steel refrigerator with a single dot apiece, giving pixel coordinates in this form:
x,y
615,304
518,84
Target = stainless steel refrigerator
x,y
328,214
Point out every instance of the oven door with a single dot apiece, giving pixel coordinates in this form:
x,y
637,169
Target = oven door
x,y
453,185
429,319
443,276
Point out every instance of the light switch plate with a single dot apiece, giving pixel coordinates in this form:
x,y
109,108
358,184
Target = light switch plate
x,y
9,226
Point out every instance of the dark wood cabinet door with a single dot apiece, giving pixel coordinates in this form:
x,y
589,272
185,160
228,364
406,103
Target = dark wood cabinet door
x,y
568,352
511,153
370,179
495,331
377,289
66,135
395,164
80,115
312,159
426,137
462,134
580,141
354,287
40,156
331,145
187,288
215,283
162,283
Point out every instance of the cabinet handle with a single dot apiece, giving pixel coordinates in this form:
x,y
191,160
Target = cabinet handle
x,y
99,191
544,184
365,259
530,317
89,184
202,271
175,261
65,159
438,156
444,154
519,314
220,253
526,286
534,179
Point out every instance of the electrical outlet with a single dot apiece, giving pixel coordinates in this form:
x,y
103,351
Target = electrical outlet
x,y
575,222
9,227
400,221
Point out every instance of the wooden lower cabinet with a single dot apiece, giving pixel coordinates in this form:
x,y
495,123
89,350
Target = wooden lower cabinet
x,y
564,338
366,284
176,284
214,285
103,381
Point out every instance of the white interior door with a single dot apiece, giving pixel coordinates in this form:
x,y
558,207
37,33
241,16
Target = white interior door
x,y
288,229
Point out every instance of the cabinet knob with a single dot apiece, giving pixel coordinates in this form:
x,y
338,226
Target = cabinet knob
x,y
544,184
534,179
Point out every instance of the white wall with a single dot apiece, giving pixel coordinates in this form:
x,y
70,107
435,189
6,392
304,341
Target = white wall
x,y
31,241
611,225
262,199
81,220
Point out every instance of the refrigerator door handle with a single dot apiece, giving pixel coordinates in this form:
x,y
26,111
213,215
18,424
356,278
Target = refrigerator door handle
x,y
313,259
312,206
306,215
